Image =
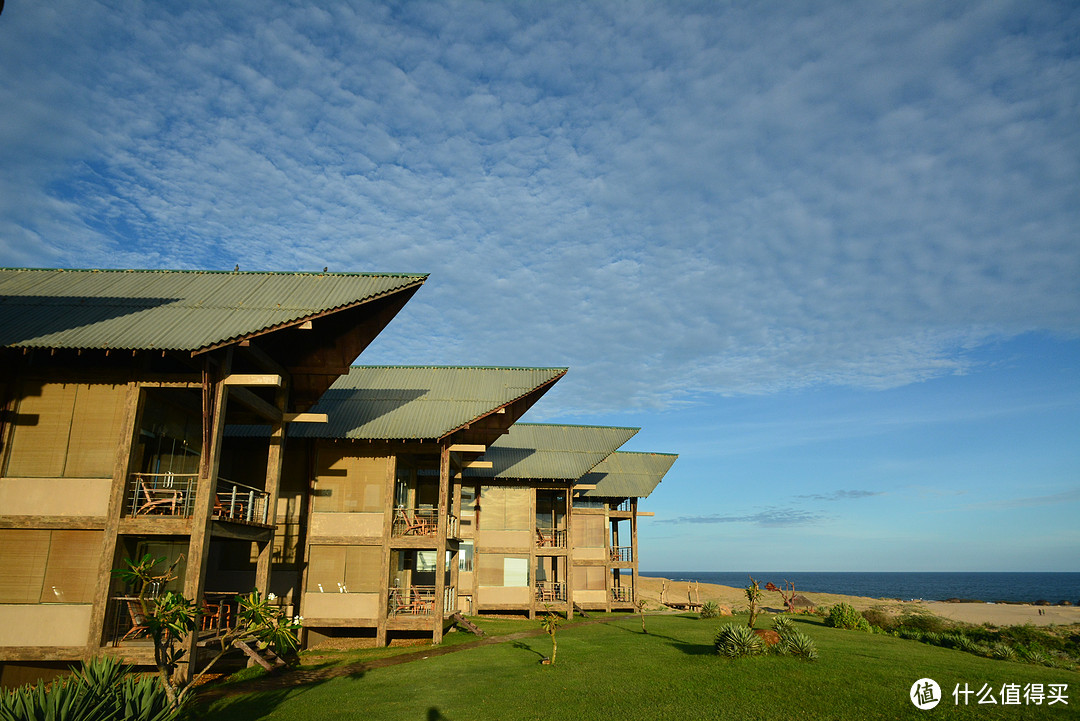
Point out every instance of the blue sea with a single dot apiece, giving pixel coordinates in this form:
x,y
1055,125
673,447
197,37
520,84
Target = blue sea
x,y
1019,587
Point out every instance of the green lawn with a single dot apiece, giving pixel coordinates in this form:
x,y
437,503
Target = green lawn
x,y
613,671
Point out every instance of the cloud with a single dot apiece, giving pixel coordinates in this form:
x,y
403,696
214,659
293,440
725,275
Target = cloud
x,y
843,495
732,200
772,517
1071,496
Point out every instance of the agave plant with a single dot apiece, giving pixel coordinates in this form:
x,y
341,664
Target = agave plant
x,y
783,625
710,609
796,643
1003,652
738,641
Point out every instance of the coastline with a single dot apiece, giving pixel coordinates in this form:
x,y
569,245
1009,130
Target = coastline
x,y
998,614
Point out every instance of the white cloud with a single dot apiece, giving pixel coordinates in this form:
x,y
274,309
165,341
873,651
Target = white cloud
x,y
740,200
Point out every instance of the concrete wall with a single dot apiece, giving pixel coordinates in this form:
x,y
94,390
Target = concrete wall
x,y
346,524
45,624
54,496
501,595
339,605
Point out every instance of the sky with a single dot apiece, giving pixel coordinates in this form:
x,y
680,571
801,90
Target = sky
x,y
826,252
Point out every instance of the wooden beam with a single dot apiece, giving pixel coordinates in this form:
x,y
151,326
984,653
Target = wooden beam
x,y
645,513
306,325
253,379
478,464
584,486
251,401
306,418
467,448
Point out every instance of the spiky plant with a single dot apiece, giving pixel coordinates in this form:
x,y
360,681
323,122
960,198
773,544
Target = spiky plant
x,y
710,609
796,643
753,595
1003,652
783,625
738,641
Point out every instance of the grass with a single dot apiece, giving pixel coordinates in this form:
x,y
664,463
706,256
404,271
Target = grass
x,y
612,670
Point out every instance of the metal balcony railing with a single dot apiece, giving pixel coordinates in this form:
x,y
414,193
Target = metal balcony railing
x,y
173,495
550,591
419,600
237,502
622,594
550,538
161,494
622,554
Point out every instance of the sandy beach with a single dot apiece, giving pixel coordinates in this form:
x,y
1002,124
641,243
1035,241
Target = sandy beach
x,y
998,614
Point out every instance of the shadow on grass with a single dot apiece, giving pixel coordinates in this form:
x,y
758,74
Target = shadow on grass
x,y
522,646
257,698
690,649
434,714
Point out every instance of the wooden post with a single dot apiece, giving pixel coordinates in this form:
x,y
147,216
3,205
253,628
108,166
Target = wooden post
x,y
388,525
215,400
569,553
634,548
440,543
274,458
124,456
532,553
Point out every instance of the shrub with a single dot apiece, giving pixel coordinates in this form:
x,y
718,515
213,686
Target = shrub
x,y
738,641
710,609
783,625
1003,651
844,615
103,689
924,622
796,643
880,619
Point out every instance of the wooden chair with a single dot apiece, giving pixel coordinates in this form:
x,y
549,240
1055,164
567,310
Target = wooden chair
x,y
413,524
421,603
138,621
159,500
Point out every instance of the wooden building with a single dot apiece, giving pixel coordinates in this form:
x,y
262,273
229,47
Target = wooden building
x,y
375,494
116,387
556,520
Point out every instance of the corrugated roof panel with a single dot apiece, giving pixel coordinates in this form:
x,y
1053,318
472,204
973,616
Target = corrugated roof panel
x,y
547,451
418,402
628,475
174,310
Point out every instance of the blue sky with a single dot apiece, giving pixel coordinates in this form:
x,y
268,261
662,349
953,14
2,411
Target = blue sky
x,y
827,252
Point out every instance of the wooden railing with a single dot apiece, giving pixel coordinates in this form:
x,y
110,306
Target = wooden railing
x,y
622,554
622,594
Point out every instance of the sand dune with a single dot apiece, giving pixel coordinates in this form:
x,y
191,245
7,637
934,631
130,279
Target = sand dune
x,y
976,613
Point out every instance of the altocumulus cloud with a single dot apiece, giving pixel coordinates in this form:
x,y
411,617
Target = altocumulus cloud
x,y
672,200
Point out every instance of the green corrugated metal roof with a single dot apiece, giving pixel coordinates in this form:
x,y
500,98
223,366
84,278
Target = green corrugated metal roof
x,y
628,475
418,402
543,451
170,310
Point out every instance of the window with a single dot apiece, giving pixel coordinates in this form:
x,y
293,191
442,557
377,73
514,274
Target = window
x,y
49,566
344,569
505,508
465,556
345,484
66,430
497,569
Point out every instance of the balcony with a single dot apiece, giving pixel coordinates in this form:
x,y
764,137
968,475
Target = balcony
x,y
173,495
414,522
550,591
161,494
622,594
622,554
240,503
419,600
126,623
550,538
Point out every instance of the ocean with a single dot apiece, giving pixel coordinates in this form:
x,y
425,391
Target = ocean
x,y
1018,587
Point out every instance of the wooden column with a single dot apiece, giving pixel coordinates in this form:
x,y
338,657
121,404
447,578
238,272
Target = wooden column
x,y
440,542
455,505
532,553
634,548
124,456
274,457
388,524
215,400
569,552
